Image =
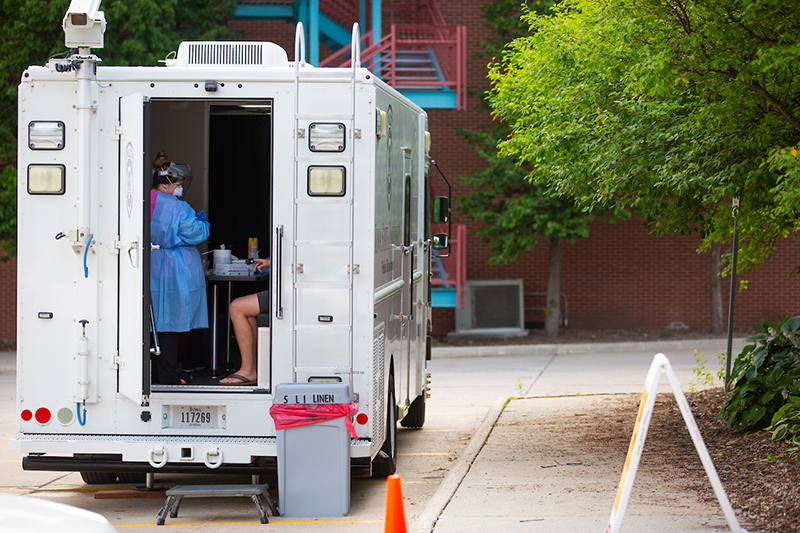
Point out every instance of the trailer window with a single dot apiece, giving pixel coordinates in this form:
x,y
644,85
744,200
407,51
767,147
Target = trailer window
x,y
326,181
46,179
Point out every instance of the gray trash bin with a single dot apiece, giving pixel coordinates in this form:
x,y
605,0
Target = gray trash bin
x,y
314,460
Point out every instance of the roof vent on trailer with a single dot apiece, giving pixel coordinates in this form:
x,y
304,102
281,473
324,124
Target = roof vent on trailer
x,y
233,54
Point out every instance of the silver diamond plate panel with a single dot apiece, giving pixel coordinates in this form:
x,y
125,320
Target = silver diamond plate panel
x,y
378,394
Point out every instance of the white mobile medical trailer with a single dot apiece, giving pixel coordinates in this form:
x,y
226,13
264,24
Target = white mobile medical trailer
x,y
328,167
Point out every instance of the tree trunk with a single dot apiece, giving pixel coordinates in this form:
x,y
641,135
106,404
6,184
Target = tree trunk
x,y
716,289
553,306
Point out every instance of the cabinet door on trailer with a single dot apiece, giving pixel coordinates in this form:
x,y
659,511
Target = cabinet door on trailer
x,y
134,248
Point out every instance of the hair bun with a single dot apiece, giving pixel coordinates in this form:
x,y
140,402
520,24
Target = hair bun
x,y
160,162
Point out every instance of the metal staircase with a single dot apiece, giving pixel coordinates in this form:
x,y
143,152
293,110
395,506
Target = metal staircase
x,y
419,55
417,69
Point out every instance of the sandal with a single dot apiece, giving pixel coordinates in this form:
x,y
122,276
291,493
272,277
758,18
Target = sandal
x,y
241,380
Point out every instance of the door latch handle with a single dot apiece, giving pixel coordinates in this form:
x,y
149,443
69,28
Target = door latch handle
x,y
133,254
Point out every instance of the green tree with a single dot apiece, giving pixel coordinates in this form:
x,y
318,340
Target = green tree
x,y
138,32
674,106
516,213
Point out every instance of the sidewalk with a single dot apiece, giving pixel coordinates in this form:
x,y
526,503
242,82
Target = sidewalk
x,y
538,464
8,362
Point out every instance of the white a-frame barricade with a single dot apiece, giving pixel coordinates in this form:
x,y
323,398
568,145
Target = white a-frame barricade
x,y
659,366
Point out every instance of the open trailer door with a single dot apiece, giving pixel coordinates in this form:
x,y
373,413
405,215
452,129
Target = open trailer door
x,y
134,251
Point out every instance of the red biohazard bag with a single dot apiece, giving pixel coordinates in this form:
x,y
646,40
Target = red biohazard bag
x,y
292,415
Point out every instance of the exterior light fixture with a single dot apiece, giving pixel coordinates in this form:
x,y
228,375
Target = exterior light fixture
x,y
46,135
46,179
326,181
326,137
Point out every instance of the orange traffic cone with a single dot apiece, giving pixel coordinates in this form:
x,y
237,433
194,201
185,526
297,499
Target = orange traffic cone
x,y
395,511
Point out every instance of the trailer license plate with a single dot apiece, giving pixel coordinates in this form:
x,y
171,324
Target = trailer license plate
x,y
194,416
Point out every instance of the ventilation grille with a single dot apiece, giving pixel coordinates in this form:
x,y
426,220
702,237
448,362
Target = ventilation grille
x,y
378,394
492,305
224,54
496,306
236,54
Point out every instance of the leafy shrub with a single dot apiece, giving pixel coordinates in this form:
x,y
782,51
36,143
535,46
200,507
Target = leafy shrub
x,y
705,377
786,424
766,325
765,375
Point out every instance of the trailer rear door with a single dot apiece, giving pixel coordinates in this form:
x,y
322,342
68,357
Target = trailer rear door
x,y
134,251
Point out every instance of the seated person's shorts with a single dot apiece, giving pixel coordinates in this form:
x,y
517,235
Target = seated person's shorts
x,y
263,302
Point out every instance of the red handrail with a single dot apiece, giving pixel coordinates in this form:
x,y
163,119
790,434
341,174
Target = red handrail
x,y
435,13
340,54
448,44
344,12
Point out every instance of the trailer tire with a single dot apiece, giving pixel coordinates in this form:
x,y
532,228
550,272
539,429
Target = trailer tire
x,y
132,478
385,463
415,418
98,478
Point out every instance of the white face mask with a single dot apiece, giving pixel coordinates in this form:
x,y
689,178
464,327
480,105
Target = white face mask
x,y
178,192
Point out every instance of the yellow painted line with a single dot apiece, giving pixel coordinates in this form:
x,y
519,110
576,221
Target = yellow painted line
x,y
441,430
383,482
94,488
272,520
427,453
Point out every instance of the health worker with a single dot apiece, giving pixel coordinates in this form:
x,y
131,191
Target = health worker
x,y
177,280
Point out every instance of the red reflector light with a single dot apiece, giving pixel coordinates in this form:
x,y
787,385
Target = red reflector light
x,y
362,418
26,415
43,415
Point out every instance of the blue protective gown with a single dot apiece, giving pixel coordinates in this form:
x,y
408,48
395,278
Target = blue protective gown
x,y
177,280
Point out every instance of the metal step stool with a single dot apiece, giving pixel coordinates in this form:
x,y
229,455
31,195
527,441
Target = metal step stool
x,y
255,492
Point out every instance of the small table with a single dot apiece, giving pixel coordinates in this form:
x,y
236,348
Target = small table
x,y
258,493
215,280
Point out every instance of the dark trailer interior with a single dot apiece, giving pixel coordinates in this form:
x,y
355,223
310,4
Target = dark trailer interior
x,y
228,145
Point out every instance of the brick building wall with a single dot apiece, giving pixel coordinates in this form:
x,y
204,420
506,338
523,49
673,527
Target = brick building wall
x,y
8,303
623,277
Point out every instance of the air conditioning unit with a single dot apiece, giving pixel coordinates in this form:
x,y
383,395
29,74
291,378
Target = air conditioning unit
x,y
492,307
229,54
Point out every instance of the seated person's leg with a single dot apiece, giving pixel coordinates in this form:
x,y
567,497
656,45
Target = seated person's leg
x,y
243,312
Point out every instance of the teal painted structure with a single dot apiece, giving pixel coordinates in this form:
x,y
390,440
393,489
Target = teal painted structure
x,y
443,297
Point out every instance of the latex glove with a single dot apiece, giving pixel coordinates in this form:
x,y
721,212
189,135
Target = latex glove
x,y
201,216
